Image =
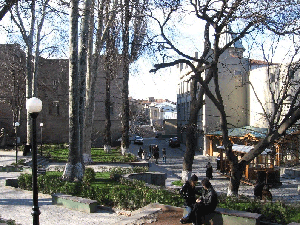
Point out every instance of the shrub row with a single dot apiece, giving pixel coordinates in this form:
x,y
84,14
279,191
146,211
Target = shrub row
x,y
128,195
275,212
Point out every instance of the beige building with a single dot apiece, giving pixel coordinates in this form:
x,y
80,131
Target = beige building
x,y
233,75
53,90
246,87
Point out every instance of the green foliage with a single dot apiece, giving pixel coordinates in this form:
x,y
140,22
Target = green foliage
x,y
177,183
19,163
59,153
89,176
128,194
50,183
134,194
275,212
25,181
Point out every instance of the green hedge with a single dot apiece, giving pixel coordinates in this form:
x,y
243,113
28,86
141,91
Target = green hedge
x,y
134,194
274,211
129,195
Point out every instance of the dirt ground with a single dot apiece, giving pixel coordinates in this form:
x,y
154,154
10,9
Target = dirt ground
x,y
168,218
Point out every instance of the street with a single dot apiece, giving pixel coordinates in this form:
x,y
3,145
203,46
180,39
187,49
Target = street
x,y
162,143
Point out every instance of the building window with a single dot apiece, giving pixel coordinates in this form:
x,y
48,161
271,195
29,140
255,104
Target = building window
x,y
238,78
112,109
54,108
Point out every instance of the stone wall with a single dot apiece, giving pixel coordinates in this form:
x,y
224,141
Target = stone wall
x,y
53,90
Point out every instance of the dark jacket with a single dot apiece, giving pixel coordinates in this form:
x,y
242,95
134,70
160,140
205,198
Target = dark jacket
x,y
189,193
210,199
258,190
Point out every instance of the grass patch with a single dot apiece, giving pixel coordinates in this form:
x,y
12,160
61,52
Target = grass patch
x,y
8,222
60,153
177,183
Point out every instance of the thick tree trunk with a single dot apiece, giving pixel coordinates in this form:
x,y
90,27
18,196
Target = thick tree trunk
x,y
74,169
84,45
125,54
107,131
189,153
91,86
236,174
191,134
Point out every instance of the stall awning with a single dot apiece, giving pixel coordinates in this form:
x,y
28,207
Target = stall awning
x,y
245,149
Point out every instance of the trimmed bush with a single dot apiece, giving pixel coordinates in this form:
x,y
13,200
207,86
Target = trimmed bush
x,y
89,176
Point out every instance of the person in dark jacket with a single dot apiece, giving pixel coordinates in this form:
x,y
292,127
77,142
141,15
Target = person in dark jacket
x,y
204,205
266,194
156,154
188,192
209,171
140,152
258,190
164,153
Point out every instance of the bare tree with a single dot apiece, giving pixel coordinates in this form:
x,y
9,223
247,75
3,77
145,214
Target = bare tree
x,y
125,55
110,70
74,169
6,6
102,29
83,64
31,32
137,14
217,17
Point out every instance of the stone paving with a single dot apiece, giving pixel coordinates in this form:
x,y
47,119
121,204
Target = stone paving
x,y
287,192
16,204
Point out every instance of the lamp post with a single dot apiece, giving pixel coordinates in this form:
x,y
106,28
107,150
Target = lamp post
x,y
41,125
16,124
34,106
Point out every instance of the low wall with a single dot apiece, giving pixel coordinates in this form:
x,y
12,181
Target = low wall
x,y
291,172
74,202
139,164
10,169
154,178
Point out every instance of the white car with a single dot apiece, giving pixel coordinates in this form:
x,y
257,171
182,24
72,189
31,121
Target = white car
x,y
138,140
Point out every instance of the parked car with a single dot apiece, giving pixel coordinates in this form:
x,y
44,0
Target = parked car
x,y
174,142
138,140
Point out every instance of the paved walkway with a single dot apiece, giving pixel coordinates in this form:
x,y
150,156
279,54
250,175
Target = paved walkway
x,y
16,204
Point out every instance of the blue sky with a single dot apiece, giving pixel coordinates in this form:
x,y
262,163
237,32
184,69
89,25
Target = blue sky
x,y
163,84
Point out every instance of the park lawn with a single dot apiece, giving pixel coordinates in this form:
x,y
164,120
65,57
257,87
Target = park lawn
x,y
59,153
104,180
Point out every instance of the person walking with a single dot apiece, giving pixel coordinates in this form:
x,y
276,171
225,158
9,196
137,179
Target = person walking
x,y
164,153
266,194
258,189
209,171
219,162
189,192
140,152
204,205
156,154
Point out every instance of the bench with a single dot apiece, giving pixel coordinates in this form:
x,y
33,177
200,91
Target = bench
x,y
223,216
74,202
